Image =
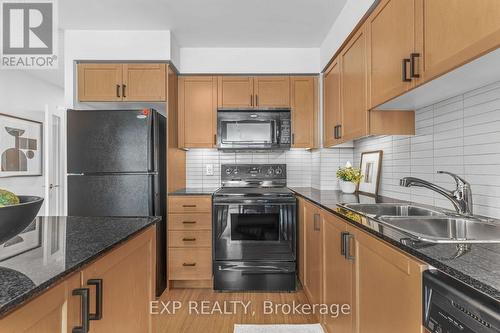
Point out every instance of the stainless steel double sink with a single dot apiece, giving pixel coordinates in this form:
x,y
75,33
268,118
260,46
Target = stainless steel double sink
x,y
429,224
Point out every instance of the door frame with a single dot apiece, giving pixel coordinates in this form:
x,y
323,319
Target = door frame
x,y
59,112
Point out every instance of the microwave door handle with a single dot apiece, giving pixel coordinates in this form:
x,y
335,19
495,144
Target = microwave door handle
x,y
278,134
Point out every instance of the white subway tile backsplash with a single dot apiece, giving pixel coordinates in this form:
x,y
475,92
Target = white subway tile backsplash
x,y
461,135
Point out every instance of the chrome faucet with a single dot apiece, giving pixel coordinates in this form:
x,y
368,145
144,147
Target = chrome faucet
x,y
461,197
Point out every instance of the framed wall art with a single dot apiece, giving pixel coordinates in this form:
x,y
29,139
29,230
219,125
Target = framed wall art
x,y
20,147
371,164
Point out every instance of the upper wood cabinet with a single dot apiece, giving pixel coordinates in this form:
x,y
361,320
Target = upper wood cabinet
x,y
197,111
383,270
105,82
253,91
353,88
332,105
454,32
99,82
272,91
338,274
144,82
391,41
313,252
304,103
235,91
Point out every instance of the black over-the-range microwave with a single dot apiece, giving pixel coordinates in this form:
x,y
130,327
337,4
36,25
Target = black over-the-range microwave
x,y
254,129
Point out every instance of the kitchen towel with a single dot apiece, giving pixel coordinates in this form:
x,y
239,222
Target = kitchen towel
x,y
314,328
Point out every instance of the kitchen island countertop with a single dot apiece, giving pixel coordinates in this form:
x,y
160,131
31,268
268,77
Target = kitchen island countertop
x,y
52,248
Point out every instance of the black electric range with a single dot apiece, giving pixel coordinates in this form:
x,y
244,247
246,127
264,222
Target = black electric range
x,y
254,218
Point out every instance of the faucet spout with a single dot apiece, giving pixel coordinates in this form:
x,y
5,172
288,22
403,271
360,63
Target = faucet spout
x,y
461,197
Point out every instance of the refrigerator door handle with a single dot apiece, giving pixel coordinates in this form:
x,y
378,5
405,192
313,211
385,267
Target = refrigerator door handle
x,y
151,137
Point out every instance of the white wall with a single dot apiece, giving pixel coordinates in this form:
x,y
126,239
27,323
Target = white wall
x,y
249,60
26,96
349,17
460,135
111,45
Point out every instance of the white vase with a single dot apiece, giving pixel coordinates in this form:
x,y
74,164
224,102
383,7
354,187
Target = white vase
x,y
347,187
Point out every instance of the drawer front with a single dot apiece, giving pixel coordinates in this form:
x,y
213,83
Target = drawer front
x,y
190,238
190,221
190,204
190,264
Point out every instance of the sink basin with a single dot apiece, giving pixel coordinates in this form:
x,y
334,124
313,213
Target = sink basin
x,y
392,209
444,229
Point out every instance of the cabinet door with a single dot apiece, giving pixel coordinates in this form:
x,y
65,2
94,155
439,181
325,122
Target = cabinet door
x,y
391,38
197,111
99,82
272,91
144,82
56,310
338,275
301,240
304,91
332,112
128,275
389,288
313,248
353,88
235,91
454,32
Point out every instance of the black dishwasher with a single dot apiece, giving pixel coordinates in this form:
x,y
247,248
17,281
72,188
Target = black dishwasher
x,y
453,307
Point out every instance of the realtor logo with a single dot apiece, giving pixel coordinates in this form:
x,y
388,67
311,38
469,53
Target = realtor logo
x,y
28,34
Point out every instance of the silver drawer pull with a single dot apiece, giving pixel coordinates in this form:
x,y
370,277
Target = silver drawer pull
x,y
189,264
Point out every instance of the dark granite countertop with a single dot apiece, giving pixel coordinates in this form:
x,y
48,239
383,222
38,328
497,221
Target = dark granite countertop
x,y
479,268
52,248
193,191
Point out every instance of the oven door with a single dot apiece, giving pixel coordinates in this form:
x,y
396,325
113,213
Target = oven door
x,y
255,230
247,130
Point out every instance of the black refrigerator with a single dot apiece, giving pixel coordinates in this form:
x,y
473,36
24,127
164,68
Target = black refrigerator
x,y
117,167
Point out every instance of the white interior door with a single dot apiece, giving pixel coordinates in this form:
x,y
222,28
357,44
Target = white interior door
x,y
54,180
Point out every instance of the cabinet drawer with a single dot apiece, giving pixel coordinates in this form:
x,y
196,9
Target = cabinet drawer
x,y
190,238
190,204
190,264
190,221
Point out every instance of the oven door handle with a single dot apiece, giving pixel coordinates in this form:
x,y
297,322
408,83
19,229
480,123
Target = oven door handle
x,y
254,270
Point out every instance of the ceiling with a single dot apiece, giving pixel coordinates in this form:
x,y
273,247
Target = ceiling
x,y
210,23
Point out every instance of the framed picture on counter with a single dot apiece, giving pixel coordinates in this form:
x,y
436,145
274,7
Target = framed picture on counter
x,y
371,165
20,147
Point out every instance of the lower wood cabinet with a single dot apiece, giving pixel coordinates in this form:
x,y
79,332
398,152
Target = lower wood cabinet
x,y
338,274
190,241
313,248
388,287
126,280
345,265
56,311
128,286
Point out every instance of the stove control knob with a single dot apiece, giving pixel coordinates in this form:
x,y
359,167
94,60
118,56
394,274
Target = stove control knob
x,y
228,171
236,171
270,171
279,171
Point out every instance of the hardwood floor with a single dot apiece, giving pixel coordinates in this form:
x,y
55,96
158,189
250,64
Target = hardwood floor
x,y
187,320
